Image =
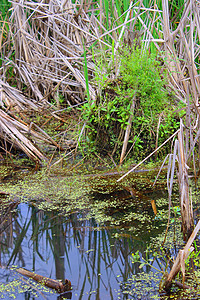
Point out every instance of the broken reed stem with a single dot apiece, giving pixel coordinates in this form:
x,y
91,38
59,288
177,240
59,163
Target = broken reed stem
x,y
180,260
186,209
127,132
148,156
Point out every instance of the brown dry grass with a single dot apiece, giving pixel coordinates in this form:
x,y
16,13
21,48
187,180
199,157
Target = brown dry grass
x,y
43,42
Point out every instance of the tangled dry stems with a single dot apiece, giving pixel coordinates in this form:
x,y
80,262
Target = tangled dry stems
x,y
44,44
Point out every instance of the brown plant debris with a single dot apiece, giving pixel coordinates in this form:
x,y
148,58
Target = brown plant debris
x,y
51,283
14,132
180,260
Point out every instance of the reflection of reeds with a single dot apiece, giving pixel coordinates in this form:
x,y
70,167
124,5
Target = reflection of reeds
x,y
101,256
7,217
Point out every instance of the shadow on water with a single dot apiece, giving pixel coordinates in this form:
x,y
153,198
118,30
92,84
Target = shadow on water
x,y
96,255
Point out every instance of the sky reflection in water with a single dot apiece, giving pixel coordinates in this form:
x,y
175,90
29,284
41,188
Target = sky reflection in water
x,y
95,259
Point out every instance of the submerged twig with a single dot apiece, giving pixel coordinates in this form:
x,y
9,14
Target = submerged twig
x,y
51,283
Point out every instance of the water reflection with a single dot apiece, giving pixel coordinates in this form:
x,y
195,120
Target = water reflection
x,y
95,259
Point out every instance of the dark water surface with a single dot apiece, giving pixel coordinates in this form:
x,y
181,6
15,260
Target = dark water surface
x,y
95,254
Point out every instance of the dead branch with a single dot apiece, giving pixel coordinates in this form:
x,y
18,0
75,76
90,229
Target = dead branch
x,y
180,260
127,132
51,283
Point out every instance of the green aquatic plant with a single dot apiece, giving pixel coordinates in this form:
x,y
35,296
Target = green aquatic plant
x,y
194,257
177,213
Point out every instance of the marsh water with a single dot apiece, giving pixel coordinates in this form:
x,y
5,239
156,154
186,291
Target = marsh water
x,y
102,236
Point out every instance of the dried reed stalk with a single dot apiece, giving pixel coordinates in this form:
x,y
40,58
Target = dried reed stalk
x,y
48,39
185,203
180,260
127,132
10,131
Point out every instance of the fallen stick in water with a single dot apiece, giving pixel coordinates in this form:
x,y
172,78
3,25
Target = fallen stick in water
x,y
51,283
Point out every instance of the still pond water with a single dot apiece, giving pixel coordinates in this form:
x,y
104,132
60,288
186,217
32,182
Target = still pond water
x,y
88,230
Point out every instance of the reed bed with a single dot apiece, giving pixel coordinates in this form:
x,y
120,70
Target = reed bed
x,y
50,40
51,48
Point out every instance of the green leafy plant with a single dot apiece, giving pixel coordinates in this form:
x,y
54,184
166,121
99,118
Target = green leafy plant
x,y
135,258
177,213
142,78
59,99
194,256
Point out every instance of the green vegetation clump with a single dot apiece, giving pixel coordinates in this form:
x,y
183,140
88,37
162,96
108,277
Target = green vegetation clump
x,y
139,90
